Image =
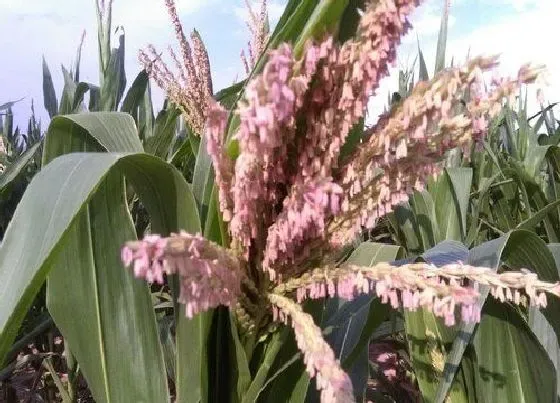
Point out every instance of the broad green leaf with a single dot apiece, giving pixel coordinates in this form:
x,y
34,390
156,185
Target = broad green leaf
x,y
114,131
451,193
544,332
425,215
405,227
44,227
49,95
461,181
518,249
155,195
87,280
512,364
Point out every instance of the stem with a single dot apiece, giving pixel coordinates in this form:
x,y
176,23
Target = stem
x,y
24,341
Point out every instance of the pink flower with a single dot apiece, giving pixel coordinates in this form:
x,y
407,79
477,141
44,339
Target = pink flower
x,y
318,356
209,275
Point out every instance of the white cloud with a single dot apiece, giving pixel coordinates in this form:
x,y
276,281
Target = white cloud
x,y
152,13
426,20
519,38
275,10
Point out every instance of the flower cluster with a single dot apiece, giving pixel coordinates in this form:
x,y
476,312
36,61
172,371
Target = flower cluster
x,y
258,26
210,276
192,89
290,197
319,358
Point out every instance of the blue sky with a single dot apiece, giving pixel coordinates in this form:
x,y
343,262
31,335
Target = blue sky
x,y
521,30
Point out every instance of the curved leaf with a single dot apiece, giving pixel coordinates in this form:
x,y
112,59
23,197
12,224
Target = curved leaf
x,y
519,249
354,321
77,177
49,95
14,169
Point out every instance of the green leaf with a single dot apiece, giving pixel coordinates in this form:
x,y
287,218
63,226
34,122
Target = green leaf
x,y
79,58
258,384
77,176
114,81
9,105
512,364
77,104
67,98
116,132
135,93
49,95
167,340
325,18
203,180
14,169
423,72
531,222
519,249
424,210
241,363
428,338
451,194
87,280
164,132
228,97
113,131
44,227
354,321
442,39
146,115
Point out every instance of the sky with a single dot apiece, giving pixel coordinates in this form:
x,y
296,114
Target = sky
x,y
520,30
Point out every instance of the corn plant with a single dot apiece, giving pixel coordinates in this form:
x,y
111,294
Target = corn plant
x,y
251,261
